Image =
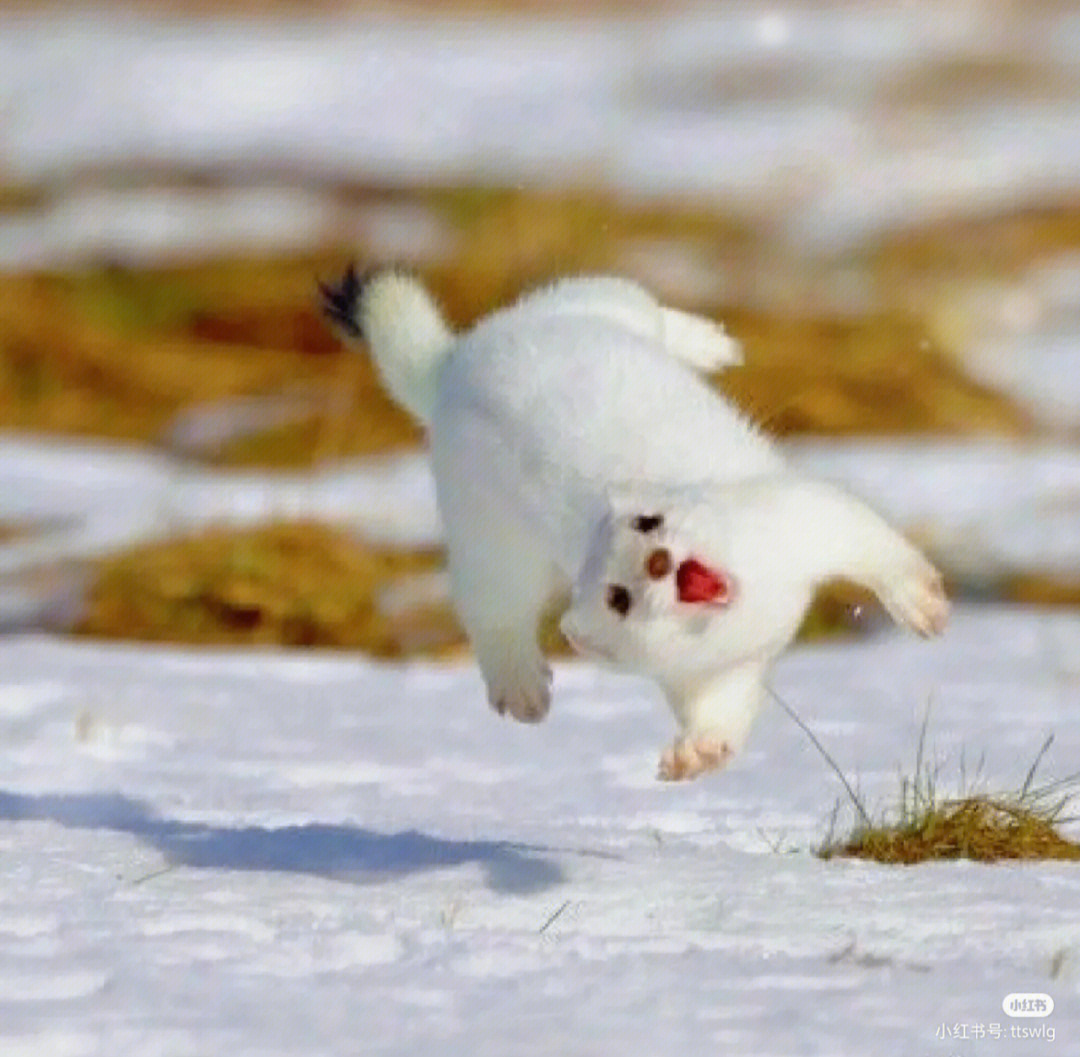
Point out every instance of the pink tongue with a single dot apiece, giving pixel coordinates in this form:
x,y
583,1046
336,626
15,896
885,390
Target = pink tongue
x,y
698,583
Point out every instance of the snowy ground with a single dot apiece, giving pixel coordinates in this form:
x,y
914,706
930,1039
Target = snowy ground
x,y
263,853
984,508
207,853
822,119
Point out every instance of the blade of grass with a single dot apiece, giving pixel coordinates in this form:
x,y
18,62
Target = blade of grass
x,y
824,753
1030,776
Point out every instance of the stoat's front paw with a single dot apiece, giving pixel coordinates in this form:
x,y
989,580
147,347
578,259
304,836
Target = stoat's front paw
x,y
522,690
693,755
915,596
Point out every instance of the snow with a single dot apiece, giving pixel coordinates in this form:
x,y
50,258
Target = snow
x,y
155,226
684,102
1021,336
271,853
94,497
985,508
291,853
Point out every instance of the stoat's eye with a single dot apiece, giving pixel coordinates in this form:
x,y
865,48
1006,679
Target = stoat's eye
x,y
618,598
647,522
658,564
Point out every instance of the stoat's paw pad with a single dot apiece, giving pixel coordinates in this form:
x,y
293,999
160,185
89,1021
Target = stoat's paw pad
x,y
522,690
693,755
916,598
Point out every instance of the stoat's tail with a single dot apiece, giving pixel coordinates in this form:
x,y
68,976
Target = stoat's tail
x,y
395,315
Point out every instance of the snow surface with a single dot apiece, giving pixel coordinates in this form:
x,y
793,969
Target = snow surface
x,y
212,852
1021,336
792,115
984,508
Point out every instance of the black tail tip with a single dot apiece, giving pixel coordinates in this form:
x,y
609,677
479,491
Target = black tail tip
x,y
341,301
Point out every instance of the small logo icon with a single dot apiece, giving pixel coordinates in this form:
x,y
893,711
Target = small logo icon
x,y
1027,1004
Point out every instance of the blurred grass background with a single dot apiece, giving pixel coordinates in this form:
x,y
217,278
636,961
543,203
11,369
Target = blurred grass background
x,y
127,350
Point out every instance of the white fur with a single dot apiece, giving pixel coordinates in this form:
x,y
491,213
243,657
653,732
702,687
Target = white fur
x,y
553,423
699,342
776,538
406,331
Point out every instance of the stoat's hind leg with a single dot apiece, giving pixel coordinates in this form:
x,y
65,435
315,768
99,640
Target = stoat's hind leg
x,y
697,341
502,583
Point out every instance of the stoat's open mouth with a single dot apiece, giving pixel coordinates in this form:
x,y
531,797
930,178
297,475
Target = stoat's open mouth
x,y
696,582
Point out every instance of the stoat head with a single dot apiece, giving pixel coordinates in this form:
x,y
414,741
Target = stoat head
x,y
684,581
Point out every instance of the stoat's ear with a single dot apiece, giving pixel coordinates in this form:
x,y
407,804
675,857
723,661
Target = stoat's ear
x,y
625,499
697,582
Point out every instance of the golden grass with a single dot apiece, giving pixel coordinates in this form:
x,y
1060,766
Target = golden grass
x,y
9,531
118,353
296,584
984,827
871,375
1043,589
992,245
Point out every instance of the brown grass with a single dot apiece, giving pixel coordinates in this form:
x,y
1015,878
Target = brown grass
x,y
1043,589
870,375
978,247
296,584
984,827
118,353
10,531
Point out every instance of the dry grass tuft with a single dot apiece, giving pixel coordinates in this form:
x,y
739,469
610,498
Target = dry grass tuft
x,y
1022,824
983,828
118,354
297,584
873,375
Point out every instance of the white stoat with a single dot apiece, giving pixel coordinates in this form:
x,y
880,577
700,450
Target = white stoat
x,y
575,447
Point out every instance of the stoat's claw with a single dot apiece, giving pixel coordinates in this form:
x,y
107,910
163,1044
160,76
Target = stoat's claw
x,y
917,599
523,691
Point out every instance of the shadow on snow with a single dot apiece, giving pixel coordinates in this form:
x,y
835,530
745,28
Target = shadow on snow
x,y
342,852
